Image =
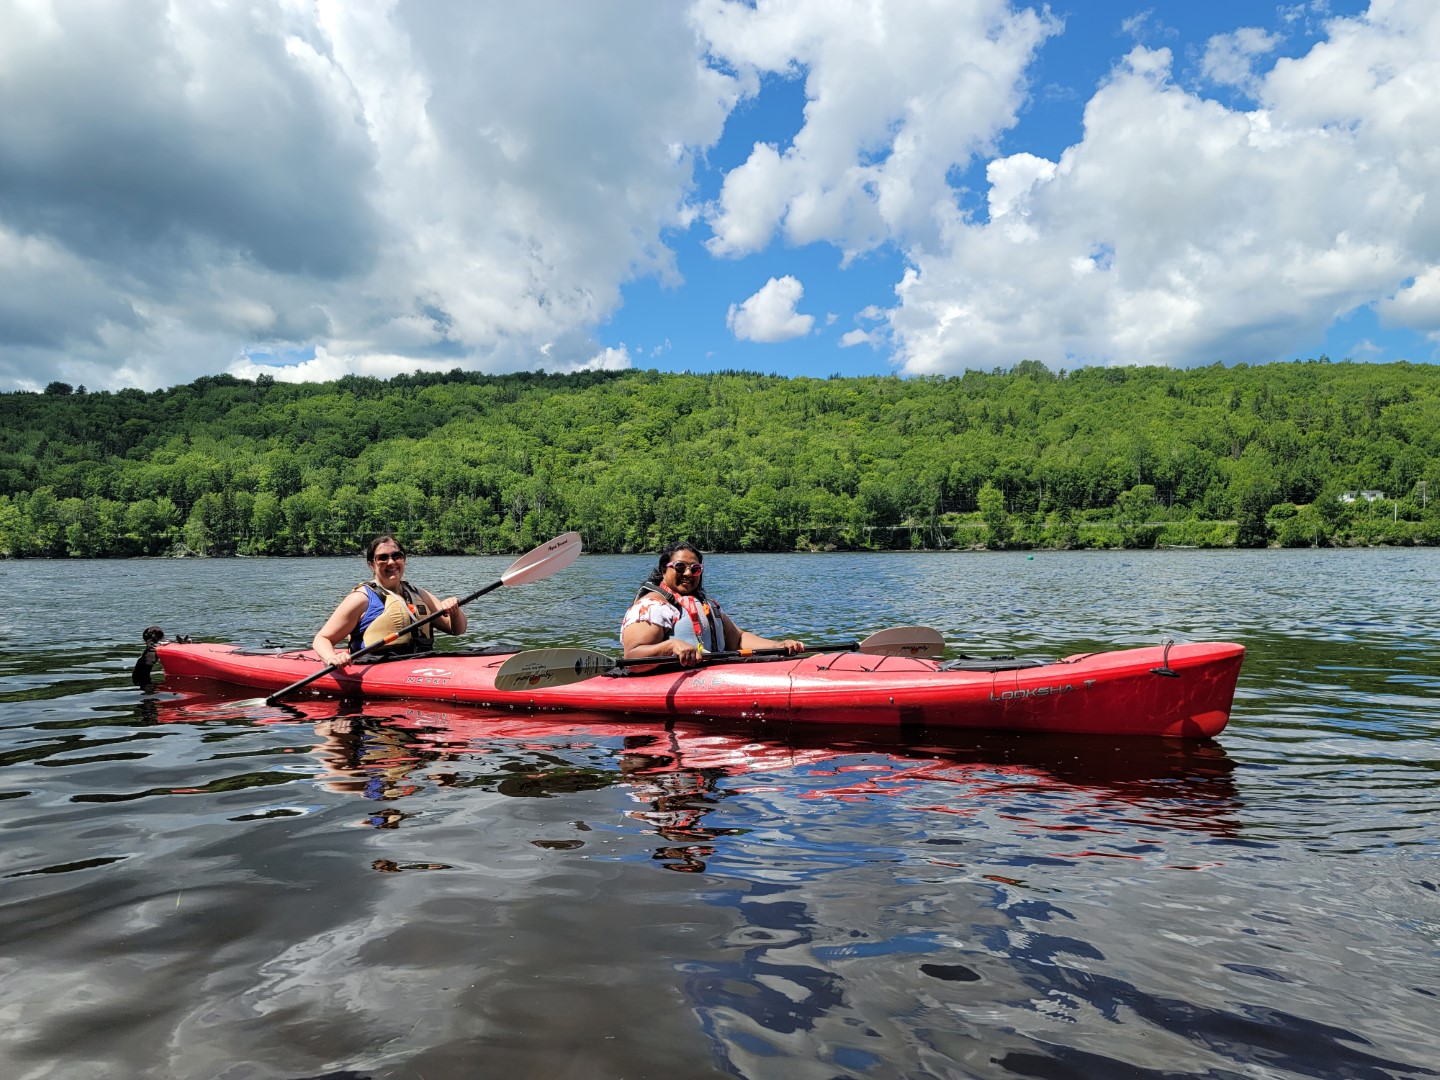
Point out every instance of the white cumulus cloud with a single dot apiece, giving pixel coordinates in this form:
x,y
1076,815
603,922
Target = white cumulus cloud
x,y
770,314
396,185
1179,230
896,93
1230,58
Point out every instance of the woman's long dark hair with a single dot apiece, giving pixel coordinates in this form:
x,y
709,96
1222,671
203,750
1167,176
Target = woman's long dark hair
x,y
666,554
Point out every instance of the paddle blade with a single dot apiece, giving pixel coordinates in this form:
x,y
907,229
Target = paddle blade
x,y
548,558
904,641
540,668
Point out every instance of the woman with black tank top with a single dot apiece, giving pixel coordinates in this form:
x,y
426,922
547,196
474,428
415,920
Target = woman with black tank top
x,y
384,604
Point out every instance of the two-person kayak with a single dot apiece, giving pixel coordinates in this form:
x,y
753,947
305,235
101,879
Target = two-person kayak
x,y
1179,690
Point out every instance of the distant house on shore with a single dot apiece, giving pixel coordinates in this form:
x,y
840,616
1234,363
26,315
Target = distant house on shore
x,y
1356,496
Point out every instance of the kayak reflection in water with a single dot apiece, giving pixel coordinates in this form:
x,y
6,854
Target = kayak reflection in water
x,y
382,606
673,618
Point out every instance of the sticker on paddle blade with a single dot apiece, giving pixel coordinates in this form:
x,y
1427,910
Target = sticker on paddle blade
x,y
590,665
529,675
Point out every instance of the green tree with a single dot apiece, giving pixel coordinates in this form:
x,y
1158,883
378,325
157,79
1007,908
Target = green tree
x,y
268,532
992,511
12,522
1253,490
151,526
1133,509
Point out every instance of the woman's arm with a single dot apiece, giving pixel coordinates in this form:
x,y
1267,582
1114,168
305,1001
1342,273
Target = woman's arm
x,y
454,620
338,628
642,639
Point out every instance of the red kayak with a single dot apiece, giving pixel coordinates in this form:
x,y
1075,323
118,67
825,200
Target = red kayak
x,y
1180,691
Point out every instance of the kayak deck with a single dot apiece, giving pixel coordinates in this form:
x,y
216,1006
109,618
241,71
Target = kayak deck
x,y
1181,691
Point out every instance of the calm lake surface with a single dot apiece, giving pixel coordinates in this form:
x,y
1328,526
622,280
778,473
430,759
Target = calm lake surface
x,y
202,886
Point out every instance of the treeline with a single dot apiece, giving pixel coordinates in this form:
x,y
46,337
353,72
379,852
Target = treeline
x,y
467,463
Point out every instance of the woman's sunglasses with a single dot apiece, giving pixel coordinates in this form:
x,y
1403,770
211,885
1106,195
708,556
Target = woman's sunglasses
x,y
686,568
399,556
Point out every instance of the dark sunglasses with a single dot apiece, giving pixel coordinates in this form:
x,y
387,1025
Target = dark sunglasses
x,y
686,568
387,557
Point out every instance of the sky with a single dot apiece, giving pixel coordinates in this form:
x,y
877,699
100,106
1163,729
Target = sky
x,y
312,188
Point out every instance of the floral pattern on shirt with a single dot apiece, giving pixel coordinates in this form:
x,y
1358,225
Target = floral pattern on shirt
x,y
652,609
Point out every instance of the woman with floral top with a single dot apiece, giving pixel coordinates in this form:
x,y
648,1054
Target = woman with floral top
x,y
673,618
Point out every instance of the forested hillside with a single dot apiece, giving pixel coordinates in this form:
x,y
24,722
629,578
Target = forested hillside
x,y
473,463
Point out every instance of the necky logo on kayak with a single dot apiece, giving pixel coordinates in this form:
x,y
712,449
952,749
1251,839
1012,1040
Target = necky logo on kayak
x,y
1038,691
429,676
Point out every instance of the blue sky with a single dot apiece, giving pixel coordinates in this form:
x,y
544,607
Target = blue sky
x,y
805,187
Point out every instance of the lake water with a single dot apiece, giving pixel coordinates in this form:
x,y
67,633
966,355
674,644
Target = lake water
x,y
202,887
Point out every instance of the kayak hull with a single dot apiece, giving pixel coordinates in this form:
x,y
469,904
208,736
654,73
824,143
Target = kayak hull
x,y
1183,691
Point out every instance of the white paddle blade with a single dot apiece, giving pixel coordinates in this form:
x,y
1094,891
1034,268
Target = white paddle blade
x,y
540,668
549,558
904,641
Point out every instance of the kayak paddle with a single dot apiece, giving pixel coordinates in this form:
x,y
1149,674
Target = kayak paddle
x,y
550,557
561,667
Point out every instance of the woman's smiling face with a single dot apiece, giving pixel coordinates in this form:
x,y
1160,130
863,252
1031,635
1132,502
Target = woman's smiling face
x,y
388,563
683,571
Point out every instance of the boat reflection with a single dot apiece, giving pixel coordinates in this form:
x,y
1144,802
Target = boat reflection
x,y
678,772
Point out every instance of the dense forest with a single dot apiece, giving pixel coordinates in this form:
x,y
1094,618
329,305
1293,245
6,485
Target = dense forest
x,y
1299,454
